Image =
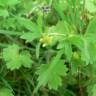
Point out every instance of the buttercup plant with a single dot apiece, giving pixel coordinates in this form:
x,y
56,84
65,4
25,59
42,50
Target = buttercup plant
x,y
47,48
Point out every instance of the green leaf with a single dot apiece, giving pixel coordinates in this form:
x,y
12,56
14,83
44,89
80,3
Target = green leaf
x,y
61,31
61,45
29,37
51,73
91,89
77,41
92,52
90,42
26,59
85,46
88,52
90,34
68,51
27,24
5,92
14,59
11,56
64,28
90,6
85,52
10,52
91,27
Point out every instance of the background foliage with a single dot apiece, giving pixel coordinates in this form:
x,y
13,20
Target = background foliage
x,y
47,48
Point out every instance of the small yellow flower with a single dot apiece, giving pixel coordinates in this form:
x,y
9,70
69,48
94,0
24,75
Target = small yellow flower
x,y
46,40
